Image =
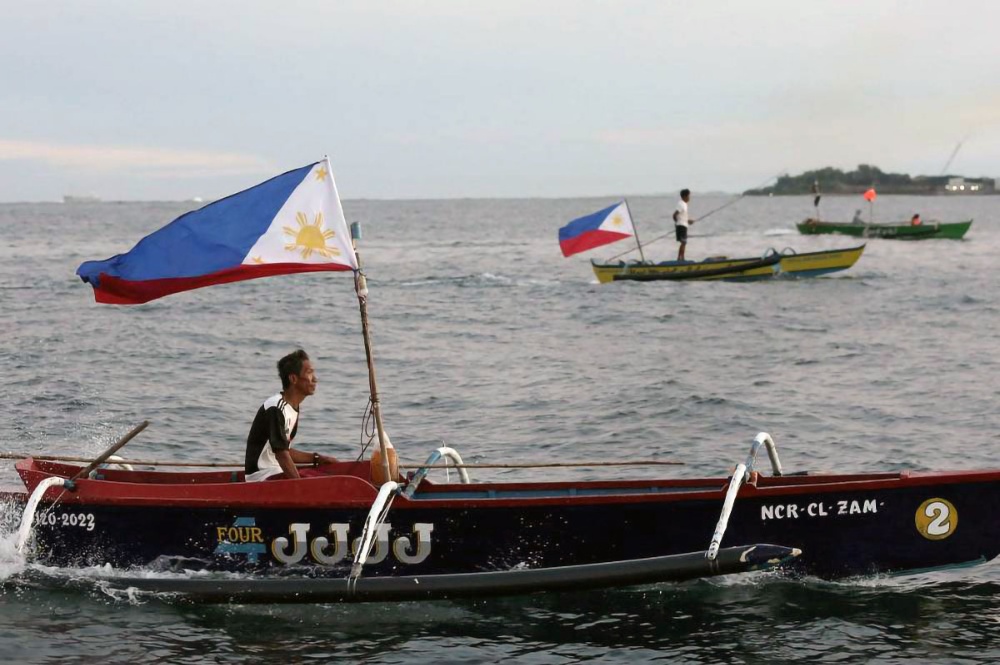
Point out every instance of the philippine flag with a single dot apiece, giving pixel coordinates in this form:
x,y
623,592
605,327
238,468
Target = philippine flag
x,y
291,223
602,227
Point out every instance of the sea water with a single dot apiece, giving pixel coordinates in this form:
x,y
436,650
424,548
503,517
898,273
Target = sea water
x,y
487,340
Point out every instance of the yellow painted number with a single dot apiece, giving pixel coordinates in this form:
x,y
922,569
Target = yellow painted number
x,y
936,519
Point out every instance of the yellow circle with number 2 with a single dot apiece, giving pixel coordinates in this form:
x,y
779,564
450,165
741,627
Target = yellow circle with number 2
x,y
936,519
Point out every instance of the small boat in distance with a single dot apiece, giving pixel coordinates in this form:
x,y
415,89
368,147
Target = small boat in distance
x,y
81,198
897,230
771,264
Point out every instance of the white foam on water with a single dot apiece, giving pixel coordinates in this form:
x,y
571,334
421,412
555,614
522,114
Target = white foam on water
x,y
28,520
14,543
12,562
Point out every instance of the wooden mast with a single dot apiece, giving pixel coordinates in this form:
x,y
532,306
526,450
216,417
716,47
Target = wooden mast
x,y
361,288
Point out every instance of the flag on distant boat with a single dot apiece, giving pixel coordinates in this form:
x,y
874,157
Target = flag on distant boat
x,y
870,195
602,227
289,224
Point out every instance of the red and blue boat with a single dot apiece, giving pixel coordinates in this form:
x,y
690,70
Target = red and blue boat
x,y
429,540
365,531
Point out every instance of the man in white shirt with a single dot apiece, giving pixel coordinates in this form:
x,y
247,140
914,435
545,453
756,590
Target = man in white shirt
x,y
681,222
269,444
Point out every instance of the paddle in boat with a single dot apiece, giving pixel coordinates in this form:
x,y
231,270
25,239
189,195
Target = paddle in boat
x,y
615,223
366,531
896,231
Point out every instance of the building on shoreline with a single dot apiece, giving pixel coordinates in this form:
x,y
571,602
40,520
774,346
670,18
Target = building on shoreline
x,y
959,185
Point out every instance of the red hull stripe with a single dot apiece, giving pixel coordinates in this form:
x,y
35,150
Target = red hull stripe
x,y
590,240
117,291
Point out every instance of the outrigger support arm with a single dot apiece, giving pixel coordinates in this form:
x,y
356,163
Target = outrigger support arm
x,y
421,473
741,474
361,287
727,508
376,516
763,439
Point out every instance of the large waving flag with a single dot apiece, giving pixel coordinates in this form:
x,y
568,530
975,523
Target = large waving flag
x,y
603,227
291,223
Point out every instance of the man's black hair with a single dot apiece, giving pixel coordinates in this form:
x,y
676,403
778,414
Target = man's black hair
x,y
685,192
289,365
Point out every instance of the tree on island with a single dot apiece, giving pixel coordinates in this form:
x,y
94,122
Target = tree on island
x,y
835,181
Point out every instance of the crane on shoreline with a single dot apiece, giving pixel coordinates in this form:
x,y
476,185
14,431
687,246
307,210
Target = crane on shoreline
x,y
944,169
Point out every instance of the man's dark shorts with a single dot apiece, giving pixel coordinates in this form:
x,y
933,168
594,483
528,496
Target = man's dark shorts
x,y
682,233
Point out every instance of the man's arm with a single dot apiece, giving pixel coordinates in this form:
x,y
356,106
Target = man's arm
x,y
302,457
675,216
287,465
288,458
283,453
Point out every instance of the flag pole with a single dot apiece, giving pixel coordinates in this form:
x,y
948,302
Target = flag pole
x,y
361,288
871,208
635,230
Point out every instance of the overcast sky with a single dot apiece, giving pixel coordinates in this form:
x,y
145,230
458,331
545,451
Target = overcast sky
x,y
177,99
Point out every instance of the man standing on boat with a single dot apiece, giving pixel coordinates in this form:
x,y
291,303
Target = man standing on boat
x,y
681,222
269,444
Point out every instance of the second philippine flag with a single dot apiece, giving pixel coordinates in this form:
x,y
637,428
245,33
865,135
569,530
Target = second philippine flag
x,y
600,228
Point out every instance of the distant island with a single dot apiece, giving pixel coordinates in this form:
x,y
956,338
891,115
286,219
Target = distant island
x,y
80,198
835,181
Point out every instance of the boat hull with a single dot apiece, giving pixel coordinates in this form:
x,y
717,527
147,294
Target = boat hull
x,y
906,231
811,264
844,525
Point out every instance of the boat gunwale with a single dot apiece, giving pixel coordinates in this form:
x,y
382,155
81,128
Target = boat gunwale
x,y
315,493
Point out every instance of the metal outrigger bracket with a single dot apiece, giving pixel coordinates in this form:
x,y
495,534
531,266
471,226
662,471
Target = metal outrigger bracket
x,y
763,439
444,452
741,475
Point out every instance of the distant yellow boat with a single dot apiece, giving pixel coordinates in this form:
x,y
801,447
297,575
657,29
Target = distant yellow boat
x,y
771,264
